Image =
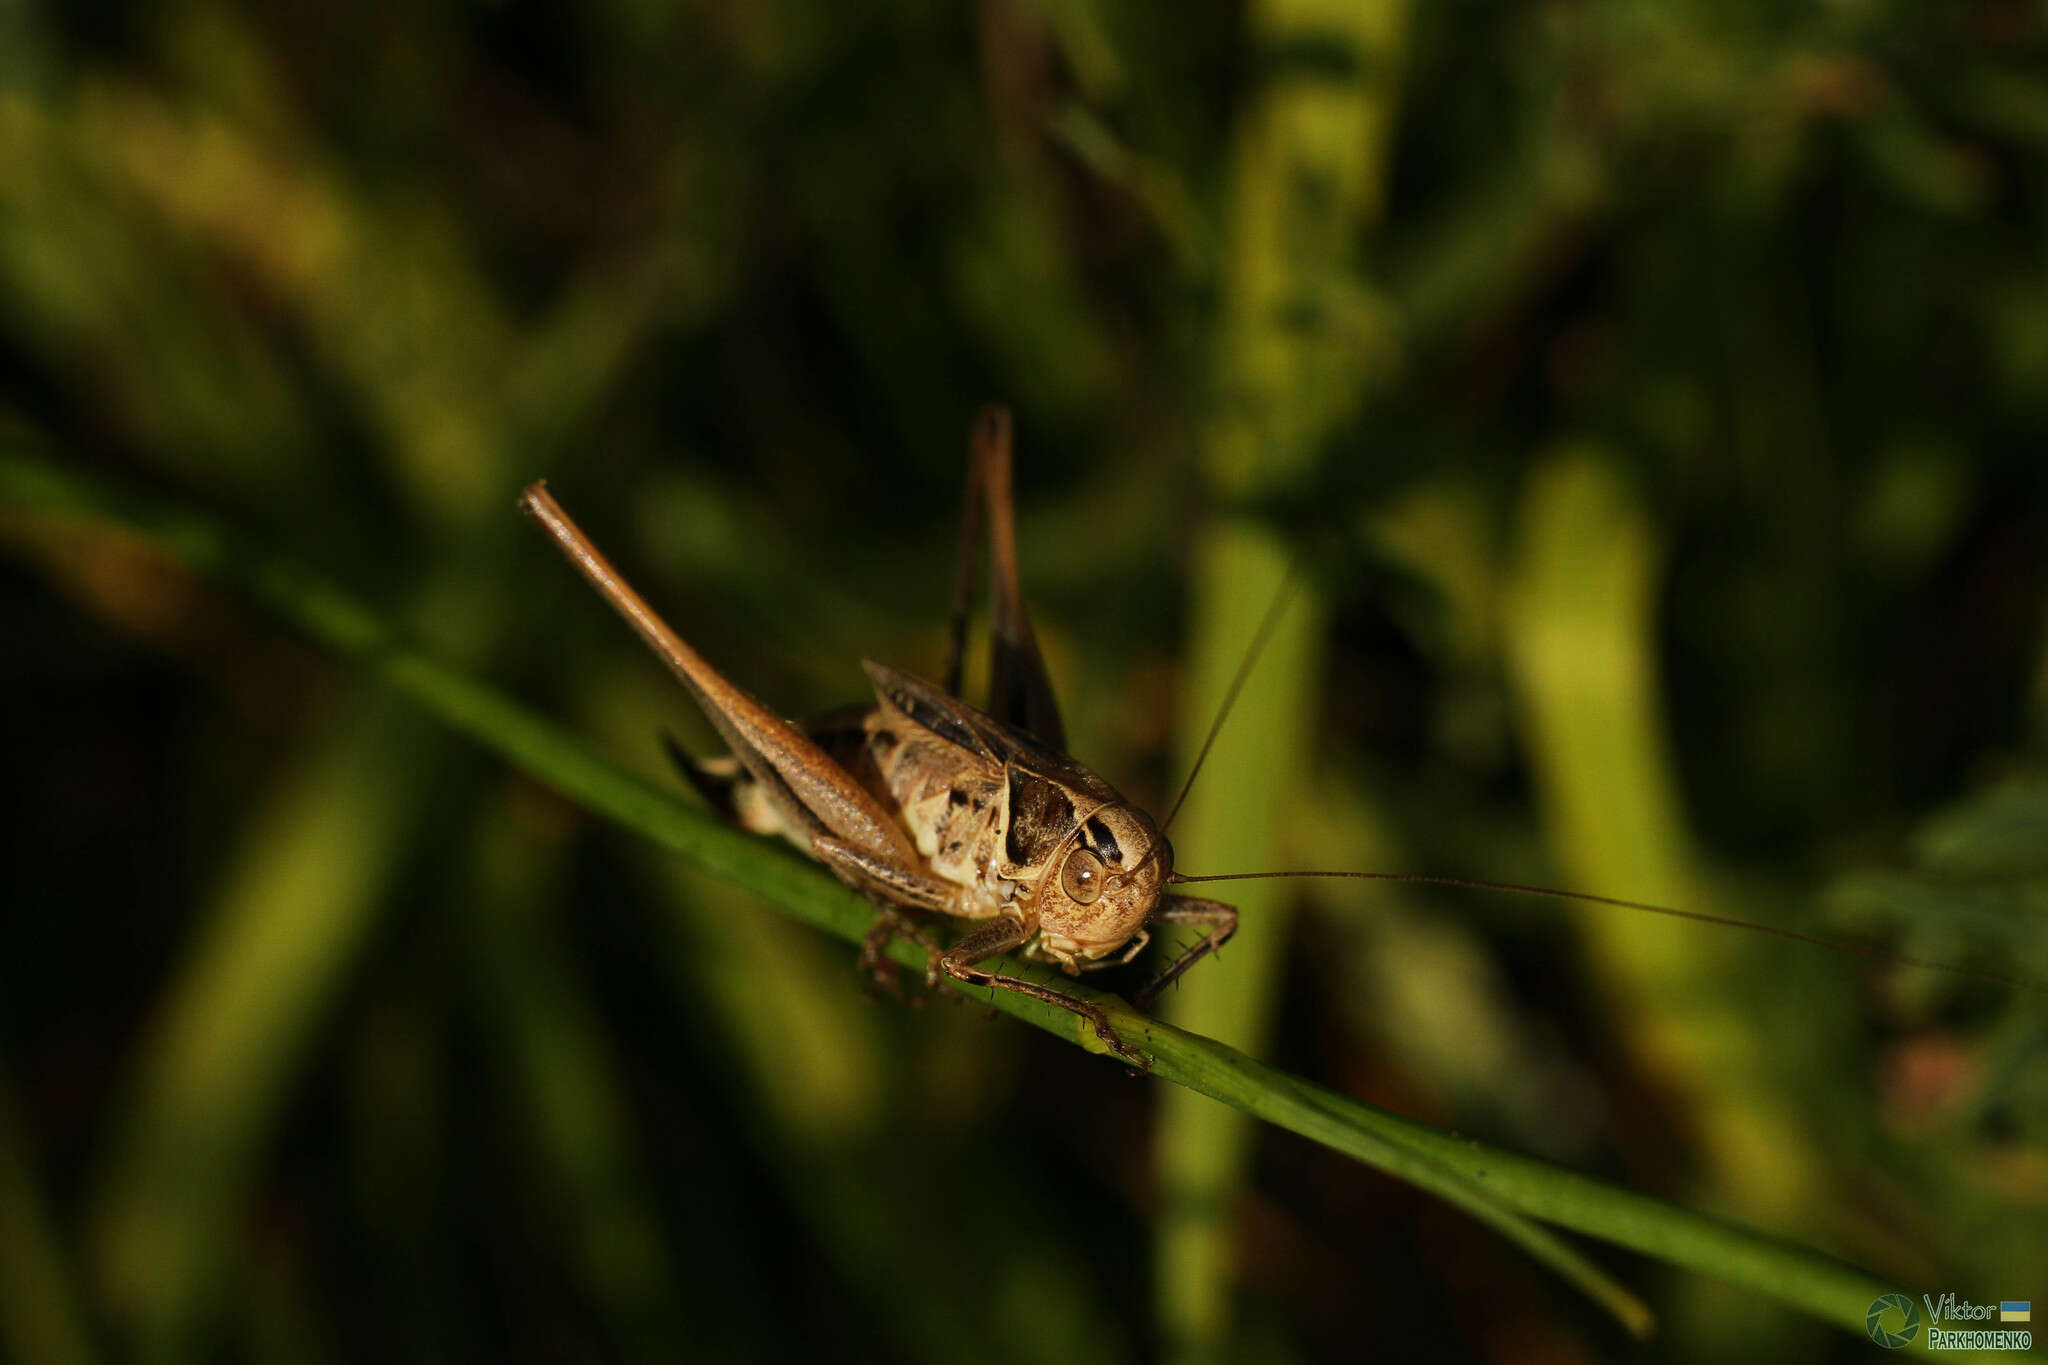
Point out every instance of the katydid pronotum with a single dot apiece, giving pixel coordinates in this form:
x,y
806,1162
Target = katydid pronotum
x,y
927,806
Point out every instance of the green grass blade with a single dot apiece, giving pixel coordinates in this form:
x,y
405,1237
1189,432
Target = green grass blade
x,y
298,900
1295,339
1581,628
1500,1186
552,1049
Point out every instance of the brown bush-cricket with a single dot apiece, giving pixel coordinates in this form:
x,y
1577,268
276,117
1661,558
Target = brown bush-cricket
x,y
928,806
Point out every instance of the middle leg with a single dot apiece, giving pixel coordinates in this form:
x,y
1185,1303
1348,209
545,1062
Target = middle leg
x,y
1003,936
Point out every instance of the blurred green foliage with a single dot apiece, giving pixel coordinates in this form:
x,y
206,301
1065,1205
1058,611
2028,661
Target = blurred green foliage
x,y
1654,394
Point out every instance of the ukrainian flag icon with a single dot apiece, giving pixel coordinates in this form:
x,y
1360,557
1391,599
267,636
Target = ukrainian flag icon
x,y
2016,1310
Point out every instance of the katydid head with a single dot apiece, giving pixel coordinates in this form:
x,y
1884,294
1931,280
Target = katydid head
x,y
1099,890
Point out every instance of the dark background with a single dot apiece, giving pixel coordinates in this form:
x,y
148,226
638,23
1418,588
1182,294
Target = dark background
x,y
1651,394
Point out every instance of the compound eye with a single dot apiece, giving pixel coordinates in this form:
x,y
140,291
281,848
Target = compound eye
x,y
1081,878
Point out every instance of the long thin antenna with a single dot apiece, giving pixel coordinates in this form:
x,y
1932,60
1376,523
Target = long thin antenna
x,y
1846,945
1281,597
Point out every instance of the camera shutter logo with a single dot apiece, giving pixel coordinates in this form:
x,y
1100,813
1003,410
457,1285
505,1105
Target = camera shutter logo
x,y
1909,1328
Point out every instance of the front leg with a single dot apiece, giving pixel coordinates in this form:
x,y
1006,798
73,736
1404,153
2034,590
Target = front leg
x,y
1006,935
1222,922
